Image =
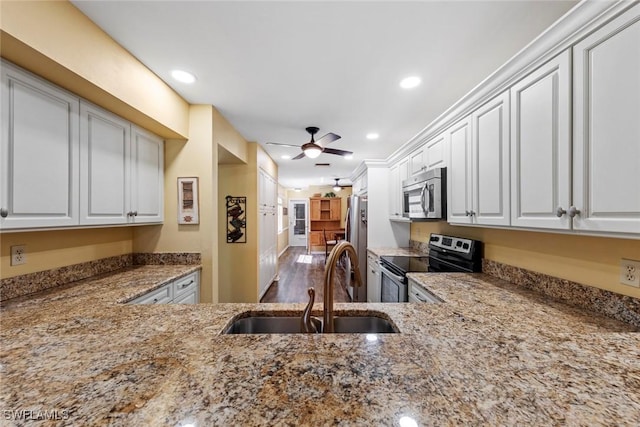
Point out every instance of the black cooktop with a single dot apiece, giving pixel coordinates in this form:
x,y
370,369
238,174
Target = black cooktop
x,y
407,264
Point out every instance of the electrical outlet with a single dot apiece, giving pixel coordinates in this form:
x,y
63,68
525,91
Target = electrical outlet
x,y
18,255
630,272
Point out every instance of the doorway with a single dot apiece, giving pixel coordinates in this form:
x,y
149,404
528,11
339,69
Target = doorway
x,y
298,220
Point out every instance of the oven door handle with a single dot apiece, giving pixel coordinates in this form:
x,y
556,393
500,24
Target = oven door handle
x,y
393,276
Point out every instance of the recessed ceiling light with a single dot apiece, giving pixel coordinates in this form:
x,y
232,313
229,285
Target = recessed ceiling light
x,y
372,135
410,82
348,157
183,76
285,156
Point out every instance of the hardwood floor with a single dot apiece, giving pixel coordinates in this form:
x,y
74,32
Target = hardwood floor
x,y
297,276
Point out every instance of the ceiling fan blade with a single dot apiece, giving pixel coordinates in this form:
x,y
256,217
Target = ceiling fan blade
x,y
299,156
328,139
338,152
283,145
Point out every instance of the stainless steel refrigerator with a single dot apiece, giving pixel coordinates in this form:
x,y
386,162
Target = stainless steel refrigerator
x,y
357,235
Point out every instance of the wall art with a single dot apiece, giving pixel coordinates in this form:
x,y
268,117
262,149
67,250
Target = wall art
x,y
188,209
236,219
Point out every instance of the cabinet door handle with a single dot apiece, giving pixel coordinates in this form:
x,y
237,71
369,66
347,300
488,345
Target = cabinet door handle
x,y
418,298
129,213
573,211
155,300
184,285
560,212
135,213
4,213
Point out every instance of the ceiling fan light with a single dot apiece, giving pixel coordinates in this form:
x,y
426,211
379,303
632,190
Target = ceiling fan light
x,y
337,188
312,152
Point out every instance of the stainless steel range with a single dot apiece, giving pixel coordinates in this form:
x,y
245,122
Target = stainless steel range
x,y
446,254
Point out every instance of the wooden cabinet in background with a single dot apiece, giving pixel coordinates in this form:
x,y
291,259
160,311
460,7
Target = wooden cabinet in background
x,y
325,214
334,209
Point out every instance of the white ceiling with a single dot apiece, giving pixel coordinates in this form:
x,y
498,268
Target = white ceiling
x,y
274,68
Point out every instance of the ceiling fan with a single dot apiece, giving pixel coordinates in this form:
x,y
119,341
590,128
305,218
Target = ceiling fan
x,y
313,148
337,186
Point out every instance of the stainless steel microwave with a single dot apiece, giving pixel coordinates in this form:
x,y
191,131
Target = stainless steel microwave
x,y
424,196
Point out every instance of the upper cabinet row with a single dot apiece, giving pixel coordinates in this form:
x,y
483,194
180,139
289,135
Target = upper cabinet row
x,y
67,163
559,149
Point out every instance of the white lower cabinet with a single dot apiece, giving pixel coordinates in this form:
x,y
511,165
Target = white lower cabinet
x,y
185,290
373,279
39,153
419,294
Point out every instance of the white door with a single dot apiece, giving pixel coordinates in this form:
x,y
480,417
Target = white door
x,y
540,146
606,125
459,173
490,154
39,153
147,174
298,220
104,167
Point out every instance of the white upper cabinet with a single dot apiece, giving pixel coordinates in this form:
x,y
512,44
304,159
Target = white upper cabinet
x,y
395,191
478,173
39,153
459,187
105,167
147,177
541,146
435,152
416,161
66,162
490,165
606,126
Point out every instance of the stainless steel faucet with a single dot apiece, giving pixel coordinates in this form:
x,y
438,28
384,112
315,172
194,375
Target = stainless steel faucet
x,y
310,324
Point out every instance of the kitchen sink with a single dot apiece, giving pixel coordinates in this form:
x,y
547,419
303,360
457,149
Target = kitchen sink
x,y
291,325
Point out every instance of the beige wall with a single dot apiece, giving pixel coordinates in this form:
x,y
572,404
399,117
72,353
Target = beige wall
x,y
76,54
238,262
592,261
52,249
228,138
324,189
197,157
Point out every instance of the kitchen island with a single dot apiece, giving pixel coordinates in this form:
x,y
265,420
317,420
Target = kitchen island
x,y
491,354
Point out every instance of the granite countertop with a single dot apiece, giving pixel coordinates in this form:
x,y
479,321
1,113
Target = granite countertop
x,y
396,252
491,354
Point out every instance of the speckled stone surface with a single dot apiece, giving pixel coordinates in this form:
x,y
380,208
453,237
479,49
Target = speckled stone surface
x,y
396,252
419,246
492,354
169,258
617,306
26,284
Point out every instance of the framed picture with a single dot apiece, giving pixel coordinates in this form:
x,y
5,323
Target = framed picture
x,y
188,209
236,219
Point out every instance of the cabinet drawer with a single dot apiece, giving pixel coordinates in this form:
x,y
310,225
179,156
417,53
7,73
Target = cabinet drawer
x,y
189,298
161,295
185,285
419,294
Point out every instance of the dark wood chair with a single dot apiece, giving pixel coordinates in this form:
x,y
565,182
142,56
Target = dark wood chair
x,y
328,244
